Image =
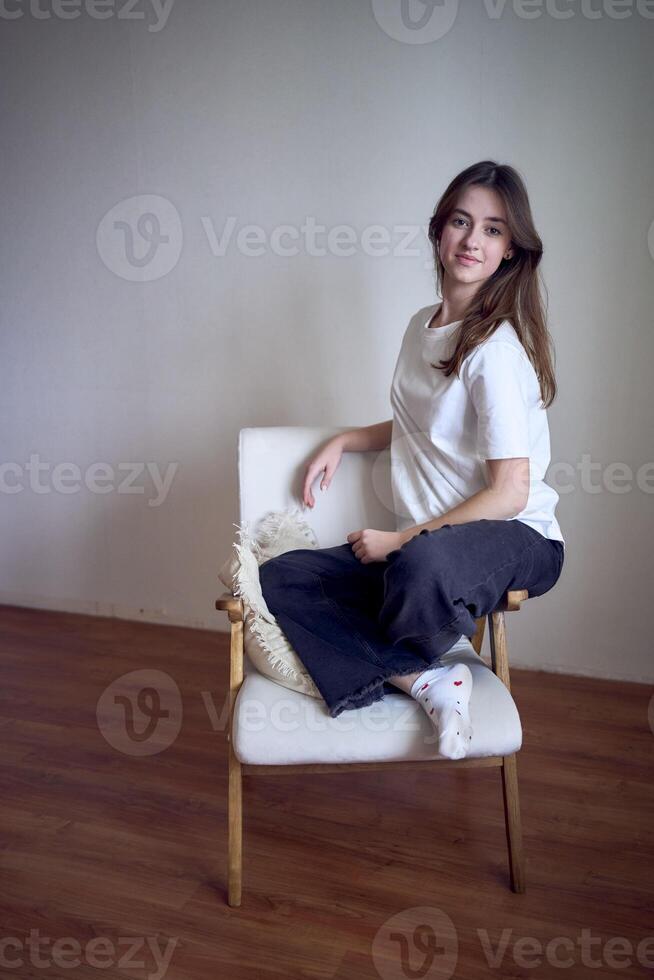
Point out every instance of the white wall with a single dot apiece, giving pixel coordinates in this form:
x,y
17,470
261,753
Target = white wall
x,y
271,112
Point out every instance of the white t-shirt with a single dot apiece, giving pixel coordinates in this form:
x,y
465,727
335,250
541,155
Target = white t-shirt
x,y
444,428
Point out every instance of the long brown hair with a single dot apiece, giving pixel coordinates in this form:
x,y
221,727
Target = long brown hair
x,y
512,293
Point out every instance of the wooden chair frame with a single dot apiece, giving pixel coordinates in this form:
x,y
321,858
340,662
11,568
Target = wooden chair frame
x,y
233,606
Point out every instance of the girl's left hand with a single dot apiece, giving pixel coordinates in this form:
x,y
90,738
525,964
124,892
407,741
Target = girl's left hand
x,y
369,545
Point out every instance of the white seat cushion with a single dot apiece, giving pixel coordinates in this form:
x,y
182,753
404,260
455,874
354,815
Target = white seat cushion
x,y
276,726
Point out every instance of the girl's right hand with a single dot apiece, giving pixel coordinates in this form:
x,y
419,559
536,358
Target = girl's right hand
x,y
326,460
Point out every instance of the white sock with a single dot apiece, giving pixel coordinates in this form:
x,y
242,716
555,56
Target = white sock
x,y
444,693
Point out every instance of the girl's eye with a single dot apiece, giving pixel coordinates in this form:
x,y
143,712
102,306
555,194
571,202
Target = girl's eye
x,y
492,228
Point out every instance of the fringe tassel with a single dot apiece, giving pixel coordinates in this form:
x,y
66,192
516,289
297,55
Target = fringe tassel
x,y
274,659
268,530
246,538
270,526
239,589
252,610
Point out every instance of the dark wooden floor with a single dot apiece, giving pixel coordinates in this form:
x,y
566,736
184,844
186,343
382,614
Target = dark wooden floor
x,y
100,843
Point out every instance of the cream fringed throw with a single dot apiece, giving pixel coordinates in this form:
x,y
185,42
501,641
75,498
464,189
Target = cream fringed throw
x,y
265,643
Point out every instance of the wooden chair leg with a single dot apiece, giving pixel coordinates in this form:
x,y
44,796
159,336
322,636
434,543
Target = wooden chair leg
x,y
235,830
512,823
500,665
235,790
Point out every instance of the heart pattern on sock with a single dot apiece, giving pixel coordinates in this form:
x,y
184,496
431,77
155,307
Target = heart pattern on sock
x,y
446,708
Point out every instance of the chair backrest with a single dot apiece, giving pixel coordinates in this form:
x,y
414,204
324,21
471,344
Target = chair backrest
x,y
271,467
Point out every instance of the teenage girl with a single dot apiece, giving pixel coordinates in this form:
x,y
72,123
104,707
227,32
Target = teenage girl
x,y
469,447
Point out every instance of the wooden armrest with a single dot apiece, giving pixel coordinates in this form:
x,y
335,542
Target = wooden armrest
x,y
512,599
232,604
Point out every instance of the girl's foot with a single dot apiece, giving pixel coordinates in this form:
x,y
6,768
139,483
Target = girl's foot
x,y
444,693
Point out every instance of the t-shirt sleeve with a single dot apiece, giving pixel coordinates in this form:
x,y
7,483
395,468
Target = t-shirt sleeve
x,y
497,378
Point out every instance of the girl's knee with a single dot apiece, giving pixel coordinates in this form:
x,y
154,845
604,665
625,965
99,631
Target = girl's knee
x,y
545,573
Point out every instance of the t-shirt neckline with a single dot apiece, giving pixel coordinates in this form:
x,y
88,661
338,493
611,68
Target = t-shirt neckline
x,y
444,331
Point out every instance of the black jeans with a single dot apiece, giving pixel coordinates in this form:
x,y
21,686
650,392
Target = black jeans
x,y
353,625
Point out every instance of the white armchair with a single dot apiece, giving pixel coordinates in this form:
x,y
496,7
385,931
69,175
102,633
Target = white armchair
x,y
273,729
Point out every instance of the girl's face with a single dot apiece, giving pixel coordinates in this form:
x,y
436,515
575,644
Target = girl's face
x,y
475,238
